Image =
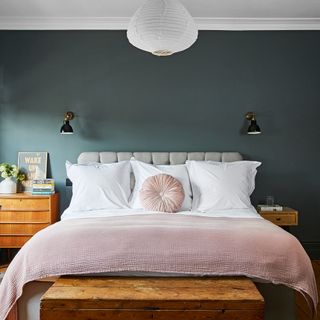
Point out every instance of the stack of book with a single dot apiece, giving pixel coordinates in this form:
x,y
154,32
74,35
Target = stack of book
x,y
43,186
265,207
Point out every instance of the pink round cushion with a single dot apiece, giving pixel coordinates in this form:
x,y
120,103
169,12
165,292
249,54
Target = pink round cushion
x,y
162,192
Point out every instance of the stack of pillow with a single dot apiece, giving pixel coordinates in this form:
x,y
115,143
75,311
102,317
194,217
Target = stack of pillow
x,y
201,186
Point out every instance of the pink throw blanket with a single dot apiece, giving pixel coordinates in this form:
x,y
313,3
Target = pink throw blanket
x,y
162,243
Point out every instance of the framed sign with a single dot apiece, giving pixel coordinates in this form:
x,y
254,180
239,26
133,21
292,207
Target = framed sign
x,y
34,166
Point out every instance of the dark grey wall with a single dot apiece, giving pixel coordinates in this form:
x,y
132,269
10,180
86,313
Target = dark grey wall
x,y
126,99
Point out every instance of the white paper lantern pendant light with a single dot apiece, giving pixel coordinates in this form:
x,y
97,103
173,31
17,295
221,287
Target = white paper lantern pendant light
x,y
162,27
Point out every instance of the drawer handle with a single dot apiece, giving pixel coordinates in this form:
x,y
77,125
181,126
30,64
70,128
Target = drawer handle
x,y
278,219
0,207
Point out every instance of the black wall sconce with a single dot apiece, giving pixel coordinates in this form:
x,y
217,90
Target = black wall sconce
x,y
253,127
66,128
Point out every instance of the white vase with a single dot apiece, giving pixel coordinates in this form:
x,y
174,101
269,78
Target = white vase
x,y
8,186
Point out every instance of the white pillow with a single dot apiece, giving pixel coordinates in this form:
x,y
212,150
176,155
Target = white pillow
x,y
99,186
222,185
142,171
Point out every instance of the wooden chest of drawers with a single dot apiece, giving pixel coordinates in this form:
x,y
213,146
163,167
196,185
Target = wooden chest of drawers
x,y
125,298
22,215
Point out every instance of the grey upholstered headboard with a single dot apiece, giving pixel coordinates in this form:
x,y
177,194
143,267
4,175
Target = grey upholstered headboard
x,y
157,157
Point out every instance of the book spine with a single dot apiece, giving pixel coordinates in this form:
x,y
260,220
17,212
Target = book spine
x,y
43,186
43,192
43,181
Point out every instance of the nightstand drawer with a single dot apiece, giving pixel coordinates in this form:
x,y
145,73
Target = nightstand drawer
x,y
281,219
38,204
25,216
13,241
21,229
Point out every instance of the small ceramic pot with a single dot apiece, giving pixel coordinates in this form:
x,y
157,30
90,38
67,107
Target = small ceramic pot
x,y
8,186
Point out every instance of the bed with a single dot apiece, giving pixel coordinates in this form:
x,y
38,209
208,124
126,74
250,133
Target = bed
x,y
197,249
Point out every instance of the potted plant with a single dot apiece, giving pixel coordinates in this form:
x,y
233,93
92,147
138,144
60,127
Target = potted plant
x,y
11,175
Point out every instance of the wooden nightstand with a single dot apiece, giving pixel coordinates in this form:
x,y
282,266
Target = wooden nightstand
x,y
22,215
286,217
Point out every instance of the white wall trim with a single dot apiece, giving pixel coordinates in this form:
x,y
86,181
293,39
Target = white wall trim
x,y
243,24
121,23
65,23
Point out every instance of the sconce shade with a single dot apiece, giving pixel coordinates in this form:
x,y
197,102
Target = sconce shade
x,y
253,127
162,27
66,127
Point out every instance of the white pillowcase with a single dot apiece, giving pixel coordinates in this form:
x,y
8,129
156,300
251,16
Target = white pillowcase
x,y
99,186
222,185
143,170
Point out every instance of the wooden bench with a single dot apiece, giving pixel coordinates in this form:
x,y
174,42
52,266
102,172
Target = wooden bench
x,y
123,298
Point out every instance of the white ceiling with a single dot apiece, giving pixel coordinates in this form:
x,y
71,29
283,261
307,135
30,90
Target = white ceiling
x,y
115,14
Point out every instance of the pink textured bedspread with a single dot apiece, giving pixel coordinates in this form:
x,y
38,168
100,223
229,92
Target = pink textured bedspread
x,y
162,243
